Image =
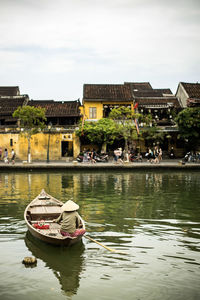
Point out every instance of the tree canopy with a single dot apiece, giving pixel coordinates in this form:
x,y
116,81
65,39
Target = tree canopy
x,y
153,135
31,121
100,132
31,118
188,121
125,120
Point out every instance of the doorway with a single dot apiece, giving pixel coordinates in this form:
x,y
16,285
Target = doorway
x,y
66,149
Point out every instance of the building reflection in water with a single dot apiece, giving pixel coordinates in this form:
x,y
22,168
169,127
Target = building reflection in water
x,y
102,197
66,263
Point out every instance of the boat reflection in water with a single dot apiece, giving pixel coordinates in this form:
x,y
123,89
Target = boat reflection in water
x,y
66,263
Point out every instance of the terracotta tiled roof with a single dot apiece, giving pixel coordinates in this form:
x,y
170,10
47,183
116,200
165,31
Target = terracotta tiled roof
x,y
9,104
192,89
152,93
164,91
106,92
163,101
9,91
139,86
58,109
147,93
144,89
141,92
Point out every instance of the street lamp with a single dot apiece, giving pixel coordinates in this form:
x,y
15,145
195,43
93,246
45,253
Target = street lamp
x,y
49,129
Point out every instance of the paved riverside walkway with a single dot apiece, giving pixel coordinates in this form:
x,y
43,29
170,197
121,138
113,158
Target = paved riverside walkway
x,y
74,165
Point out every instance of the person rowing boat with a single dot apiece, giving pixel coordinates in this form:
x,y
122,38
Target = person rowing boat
x,y
70,220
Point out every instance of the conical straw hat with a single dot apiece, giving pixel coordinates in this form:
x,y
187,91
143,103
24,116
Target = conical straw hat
x,y
70,206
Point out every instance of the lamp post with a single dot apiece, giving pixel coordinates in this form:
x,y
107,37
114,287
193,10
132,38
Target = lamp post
x,y
49,129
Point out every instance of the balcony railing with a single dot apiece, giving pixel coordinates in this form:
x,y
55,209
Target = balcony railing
x,y
55,128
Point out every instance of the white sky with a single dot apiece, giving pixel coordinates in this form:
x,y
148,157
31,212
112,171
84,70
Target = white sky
x,y
50,48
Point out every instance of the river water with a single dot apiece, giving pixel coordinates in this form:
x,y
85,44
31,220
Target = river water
x,y
151,218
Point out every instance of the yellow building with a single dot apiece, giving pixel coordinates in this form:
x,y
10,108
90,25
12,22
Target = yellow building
x,y
57,142
58,145
100,99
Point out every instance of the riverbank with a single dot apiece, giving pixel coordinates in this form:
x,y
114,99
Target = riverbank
x,y
63,165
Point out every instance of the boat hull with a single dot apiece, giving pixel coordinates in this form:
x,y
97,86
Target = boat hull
x,y
54,241
46,235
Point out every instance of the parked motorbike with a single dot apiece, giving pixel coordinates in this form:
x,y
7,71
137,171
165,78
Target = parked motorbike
x,y
135,158
79,158
191,157
101,158
97,158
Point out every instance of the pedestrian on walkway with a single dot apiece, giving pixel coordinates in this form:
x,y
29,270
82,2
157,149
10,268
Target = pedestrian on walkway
x,y
13,156
120,155
160,154
85,156
93,156
6,160
155,159
156,155
116,155
150,155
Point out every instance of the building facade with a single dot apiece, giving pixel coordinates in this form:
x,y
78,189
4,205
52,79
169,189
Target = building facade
x,y
59,142
161,104
56,142
100,99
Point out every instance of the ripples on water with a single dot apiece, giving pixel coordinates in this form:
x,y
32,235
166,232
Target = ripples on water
x,y
151,219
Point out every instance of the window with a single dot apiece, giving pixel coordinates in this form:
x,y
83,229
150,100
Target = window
x,y
11,142
92,112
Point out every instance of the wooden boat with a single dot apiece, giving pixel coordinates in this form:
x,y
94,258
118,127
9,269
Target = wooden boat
x,y
44,208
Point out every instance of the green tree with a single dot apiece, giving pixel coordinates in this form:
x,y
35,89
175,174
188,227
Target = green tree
x,y
100,132
153,135
188,121
31,122
125,119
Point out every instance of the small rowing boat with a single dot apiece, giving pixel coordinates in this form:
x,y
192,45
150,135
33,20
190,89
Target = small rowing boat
x,y
39,216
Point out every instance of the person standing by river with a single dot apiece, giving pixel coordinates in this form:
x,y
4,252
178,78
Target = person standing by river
x,y
13,156
6,156
116,155
160,154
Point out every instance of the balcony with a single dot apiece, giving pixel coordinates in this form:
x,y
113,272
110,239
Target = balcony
x,y
55,128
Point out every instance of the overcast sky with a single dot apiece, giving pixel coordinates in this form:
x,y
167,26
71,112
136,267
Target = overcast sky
x,y
50,48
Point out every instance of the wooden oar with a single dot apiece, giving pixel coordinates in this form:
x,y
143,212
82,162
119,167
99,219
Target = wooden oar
x,y
112,250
